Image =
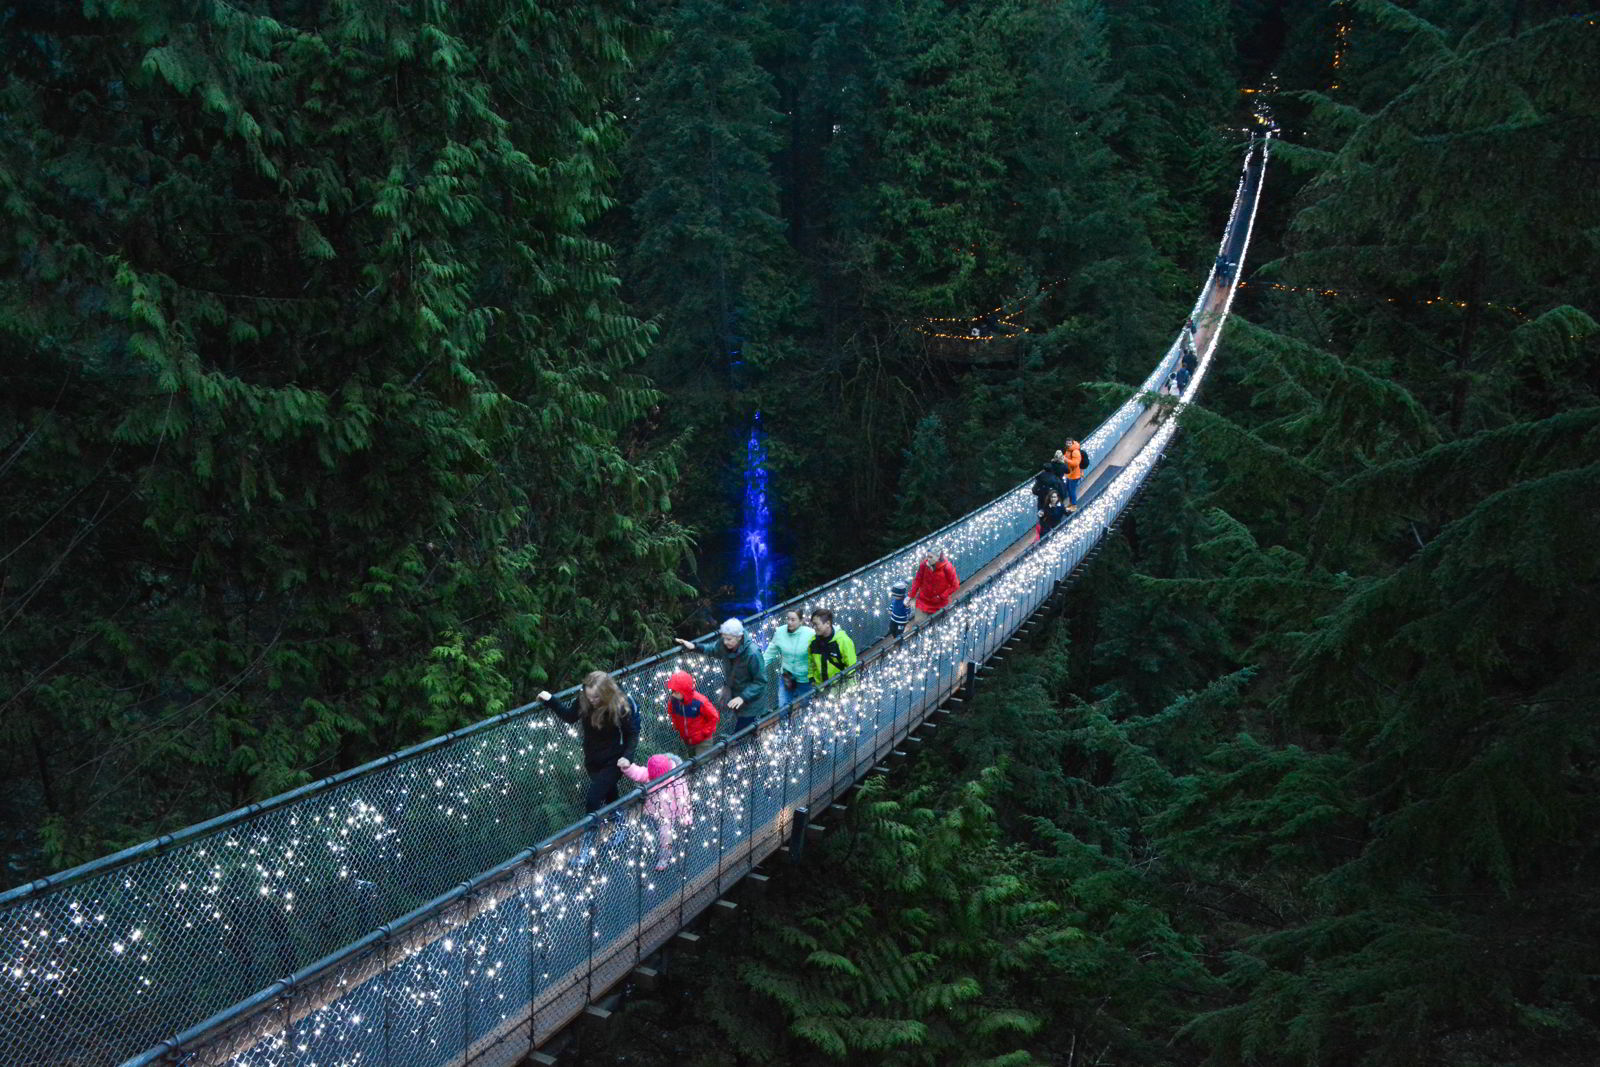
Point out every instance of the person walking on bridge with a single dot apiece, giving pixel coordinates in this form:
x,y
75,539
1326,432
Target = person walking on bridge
x,y
744,673
1050,477
1051,515
692,715
665,802
935,583
610,721
832,650
1077,461
790,650
899,608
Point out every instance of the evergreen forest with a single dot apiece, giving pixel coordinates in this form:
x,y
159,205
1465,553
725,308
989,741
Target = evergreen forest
x,y
369,366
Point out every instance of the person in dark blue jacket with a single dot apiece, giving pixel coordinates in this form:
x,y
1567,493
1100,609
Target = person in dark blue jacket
x,y
899,610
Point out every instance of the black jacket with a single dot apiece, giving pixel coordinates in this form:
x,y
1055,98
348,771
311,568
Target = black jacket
x,y
602,747
1049,479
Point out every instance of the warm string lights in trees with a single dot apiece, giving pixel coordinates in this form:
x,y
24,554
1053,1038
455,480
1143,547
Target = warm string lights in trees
x,y
992,318
1004,328
1341,42
1431,301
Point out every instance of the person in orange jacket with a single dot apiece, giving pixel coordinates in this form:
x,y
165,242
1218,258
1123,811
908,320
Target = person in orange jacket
x,y
936,582
693,716
1077,461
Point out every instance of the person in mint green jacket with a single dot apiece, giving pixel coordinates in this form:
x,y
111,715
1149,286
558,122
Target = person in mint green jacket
x,y
790,649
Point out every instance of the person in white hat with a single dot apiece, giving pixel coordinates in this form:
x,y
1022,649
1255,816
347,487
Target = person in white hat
x,y
744,672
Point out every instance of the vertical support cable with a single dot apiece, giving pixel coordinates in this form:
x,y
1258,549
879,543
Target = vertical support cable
x,y
388,996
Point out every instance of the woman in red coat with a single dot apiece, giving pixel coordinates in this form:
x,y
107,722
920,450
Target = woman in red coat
x,y
936,582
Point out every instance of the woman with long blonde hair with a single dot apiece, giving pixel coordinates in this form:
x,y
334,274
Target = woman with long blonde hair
x,y
610,721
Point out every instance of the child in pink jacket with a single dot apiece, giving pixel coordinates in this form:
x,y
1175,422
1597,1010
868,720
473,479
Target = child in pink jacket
x,y
667,802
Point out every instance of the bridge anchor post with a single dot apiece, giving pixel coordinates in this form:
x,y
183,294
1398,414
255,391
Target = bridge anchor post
x,y
797,834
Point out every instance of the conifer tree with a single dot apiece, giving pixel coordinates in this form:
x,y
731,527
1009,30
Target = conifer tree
x,y
917,972
935,243
1174,58
1079,213
1454,201
705,204
1417,760
317,371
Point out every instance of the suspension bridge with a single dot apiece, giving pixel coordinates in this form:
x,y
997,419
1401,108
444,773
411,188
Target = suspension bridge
x,y
435,907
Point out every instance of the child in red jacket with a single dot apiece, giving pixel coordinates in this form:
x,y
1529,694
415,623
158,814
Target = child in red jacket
x,y
693,716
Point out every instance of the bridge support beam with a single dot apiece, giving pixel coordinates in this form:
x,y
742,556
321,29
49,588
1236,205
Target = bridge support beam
x,y
796,847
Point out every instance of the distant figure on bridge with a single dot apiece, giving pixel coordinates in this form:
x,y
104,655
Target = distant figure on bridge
x,y
1077,462
832,650
610,721
1169,388
1225,269
744,672
933,585
1053,514
692,715
1050,479
1186,353
899,609
790,649
667,802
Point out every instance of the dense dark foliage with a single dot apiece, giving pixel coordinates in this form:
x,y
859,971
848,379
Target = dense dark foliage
x,y
316,388
806,182
322,432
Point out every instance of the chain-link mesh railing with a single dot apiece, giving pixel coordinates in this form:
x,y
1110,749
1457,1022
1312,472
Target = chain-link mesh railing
x,y
107,959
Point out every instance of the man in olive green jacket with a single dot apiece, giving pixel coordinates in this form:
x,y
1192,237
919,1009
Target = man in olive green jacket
x,y
744,674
